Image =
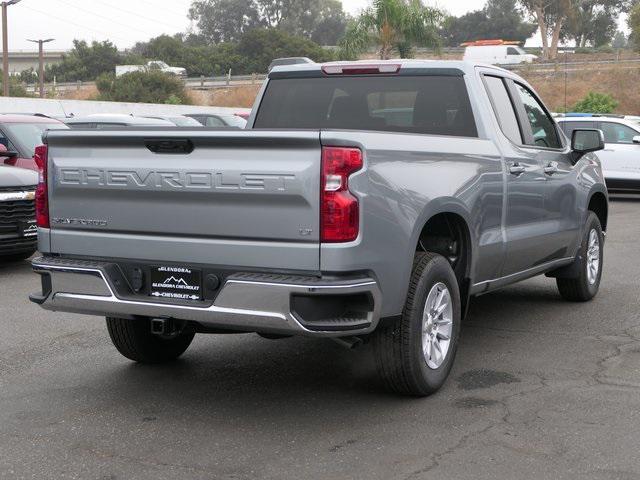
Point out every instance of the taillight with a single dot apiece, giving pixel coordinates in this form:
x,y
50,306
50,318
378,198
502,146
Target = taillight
x,y
339,209
42,193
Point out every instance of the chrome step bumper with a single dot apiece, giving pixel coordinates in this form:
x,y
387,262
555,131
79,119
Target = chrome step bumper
x,y
246,301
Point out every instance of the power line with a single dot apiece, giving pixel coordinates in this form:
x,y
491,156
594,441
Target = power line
x,y
154,6
128,27
137,14
84,27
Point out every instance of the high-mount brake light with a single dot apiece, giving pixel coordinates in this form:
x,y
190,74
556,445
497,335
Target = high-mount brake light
x,y
361,69
42,192
339,209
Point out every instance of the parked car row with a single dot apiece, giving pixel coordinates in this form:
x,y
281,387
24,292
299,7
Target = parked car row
x,y
621,155
19,136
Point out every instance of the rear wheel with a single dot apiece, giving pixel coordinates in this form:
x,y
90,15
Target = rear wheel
x,y
415,353
134,340
588,265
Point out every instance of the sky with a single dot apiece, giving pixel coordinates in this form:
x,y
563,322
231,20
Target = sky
x,y
125,22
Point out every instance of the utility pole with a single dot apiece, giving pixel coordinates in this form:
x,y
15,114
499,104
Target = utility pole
x,y
5,47
41,57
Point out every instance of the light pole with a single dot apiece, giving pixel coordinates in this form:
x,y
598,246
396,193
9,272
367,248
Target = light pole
x,y
41,57
5,48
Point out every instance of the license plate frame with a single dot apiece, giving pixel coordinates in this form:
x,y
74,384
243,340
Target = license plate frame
x,y
175,282
28,229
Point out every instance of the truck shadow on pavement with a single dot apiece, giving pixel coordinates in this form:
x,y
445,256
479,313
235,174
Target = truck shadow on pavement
x,y
237,370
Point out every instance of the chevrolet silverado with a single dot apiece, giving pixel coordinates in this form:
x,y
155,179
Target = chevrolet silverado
x,y
365,202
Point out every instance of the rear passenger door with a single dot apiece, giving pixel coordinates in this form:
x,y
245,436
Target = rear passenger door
x,y
560,229
524,203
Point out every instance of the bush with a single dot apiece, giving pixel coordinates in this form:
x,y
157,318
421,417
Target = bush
x,y
16,89
142,87
596,103
85,62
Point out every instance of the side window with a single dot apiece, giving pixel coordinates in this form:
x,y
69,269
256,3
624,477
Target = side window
x,y
4,140
569,127
503,108
215,122
617,133
542,125
512,51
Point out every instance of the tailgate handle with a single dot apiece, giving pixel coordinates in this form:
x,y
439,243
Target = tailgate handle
x,y
169,145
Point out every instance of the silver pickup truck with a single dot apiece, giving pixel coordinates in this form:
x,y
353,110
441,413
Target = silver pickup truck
x,y
366,202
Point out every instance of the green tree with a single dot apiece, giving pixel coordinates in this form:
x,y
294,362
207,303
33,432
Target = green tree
x,y
596,102
142,87
85,62
634,25
261,46
594,21
619,40
228,20
331,23
550,16
224,20
499,19
392,25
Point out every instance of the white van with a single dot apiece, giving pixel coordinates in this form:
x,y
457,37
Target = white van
x,y
498,54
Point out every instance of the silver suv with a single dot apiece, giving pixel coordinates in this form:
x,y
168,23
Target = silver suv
x,y
621,155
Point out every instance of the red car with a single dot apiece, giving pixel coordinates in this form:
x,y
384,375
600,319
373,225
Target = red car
x,y
19,136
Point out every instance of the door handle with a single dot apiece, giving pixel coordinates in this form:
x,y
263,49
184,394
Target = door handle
x,y
551,168
517,169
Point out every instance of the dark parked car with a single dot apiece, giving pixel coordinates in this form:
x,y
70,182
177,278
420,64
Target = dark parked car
x,y
289,61
18,230
19,136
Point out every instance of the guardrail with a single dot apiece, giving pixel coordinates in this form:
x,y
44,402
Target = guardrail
x,y
199,83
226,81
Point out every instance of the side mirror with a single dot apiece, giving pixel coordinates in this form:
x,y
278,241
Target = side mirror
x,y
636,139
587,140
6,153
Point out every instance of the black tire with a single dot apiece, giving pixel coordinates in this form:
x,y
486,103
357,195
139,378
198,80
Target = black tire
x,y
17,257
134,340
578,288
398,346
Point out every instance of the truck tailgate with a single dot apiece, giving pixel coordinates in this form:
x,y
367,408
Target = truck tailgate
x,y
217,197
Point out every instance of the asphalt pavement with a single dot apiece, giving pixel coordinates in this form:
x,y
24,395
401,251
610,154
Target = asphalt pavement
x,y
541,389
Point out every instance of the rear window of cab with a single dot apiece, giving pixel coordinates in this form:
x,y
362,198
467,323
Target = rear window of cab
x,y
431,105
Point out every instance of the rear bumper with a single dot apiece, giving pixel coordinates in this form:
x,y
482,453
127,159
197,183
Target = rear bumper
x,y
277,304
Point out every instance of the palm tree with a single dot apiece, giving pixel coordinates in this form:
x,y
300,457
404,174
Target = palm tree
x,y
393,25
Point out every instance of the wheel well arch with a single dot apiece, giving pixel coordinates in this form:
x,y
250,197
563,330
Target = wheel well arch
x,y
448,234
598,205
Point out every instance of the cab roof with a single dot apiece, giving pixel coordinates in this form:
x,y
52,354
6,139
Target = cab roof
x,y
411,65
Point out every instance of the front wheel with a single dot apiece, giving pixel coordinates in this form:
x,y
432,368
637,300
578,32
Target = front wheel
x,y
134,340
588,265
415,353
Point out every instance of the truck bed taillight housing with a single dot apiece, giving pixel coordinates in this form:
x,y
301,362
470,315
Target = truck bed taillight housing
x,y
339,209
42,192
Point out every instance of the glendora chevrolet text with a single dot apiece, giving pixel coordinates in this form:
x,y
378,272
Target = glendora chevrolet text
x,y
366,202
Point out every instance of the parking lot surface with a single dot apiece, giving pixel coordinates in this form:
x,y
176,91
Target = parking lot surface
x,y
541,388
